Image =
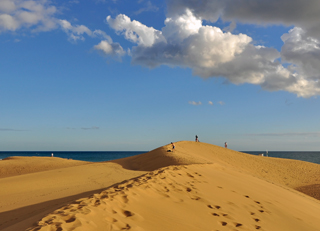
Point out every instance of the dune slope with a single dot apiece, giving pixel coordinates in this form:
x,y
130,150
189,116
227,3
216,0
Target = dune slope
x,y
26,198
198,187
296,174
19,165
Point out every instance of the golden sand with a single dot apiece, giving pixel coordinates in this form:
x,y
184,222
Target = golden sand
x,y
197,187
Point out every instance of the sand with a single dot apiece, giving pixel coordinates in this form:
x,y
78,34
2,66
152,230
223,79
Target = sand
x,y
197,187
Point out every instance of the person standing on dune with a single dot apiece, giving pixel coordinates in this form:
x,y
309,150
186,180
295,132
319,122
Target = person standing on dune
x,y
173,146
197,138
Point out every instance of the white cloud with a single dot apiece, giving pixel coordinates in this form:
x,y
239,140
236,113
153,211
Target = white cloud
x,y
181,27
106,46
135,31
210,52
102,34
37,15
221,103
195,103
113,49
7,6
75,32
284,12
210,103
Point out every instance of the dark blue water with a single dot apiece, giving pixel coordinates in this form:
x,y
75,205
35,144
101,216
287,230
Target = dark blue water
x,y
85,156
313,157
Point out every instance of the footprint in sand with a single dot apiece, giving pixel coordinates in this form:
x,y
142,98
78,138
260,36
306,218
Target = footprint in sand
x,y
189,175
71,219
223,223
215,206
127,213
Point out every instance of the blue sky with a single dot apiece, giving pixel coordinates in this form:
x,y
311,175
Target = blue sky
x,y
138,74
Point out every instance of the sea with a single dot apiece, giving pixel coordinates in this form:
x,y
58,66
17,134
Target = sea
x,y
313,157
83,155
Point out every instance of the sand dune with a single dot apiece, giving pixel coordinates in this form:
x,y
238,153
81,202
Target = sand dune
x,y
18,165
197,187
194,197
26,198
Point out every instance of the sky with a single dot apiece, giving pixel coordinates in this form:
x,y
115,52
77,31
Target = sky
x,y
134,75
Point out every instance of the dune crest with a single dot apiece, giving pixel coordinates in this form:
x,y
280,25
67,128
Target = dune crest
x,y
296,174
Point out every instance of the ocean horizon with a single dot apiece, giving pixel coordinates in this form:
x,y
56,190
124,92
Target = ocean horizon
x,y
99,156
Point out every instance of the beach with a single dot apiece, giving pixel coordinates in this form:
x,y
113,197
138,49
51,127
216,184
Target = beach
x,y
197,186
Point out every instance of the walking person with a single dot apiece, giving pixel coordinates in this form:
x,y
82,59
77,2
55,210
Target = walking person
x,y
197,138
225,144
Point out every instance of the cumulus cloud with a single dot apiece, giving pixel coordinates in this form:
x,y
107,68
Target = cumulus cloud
x,y
17,14
210,52
210,103
285,12
303,53
195,103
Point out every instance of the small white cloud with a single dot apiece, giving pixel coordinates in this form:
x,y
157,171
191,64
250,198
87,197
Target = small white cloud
x,y
210,103
75,32
102,34
135,31
195,103
107,48
221,103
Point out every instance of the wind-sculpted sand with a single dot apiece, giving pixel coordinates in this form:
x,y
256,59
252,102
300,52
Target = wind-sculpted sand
x,y
197,187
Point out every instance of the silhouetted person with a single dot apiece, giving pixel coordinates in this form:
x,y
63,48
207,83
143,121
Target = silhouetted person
x,y
173,146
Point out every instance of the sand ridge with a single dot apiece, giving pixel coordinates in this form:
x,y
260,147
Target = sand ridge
x,y
292,173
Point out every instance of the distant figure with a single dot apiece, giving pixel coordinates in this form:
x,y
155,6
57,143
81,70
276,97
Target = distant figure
x,y
225,144
173,146
197,139
51,154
